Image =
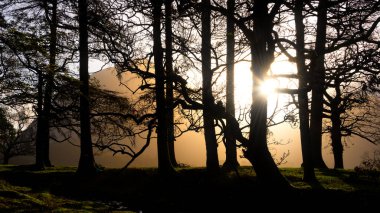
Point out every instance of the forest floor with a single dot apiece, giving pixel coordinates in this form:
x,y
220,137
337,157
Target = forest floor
x,y
59,189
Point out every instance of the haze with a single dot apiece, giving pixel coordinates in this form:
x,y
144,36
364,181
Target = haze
x,y
190,147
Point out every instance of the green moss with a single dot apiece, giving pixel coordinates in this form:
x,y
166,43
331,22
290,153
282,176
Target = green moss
x,y
13,197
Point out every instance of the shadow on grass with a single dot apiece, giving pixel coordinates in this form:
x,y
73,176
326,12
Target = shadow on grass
x,y
24,190
354,180
316,185
190,190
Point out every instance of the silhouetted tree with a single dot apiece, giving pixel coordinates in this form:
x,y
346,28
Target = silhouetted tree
x,y
262,46
212,161
262,53
347,23
112,125
352,74
351,100
317,76
118,43
303,100
164,164
43,120
350,25
169,79
34,40
345,28
14,141
130,57
230,143
86,162
27,46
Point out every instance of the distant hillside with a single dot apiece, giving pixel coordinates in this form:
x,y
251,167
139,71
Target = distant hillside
x,y
190,147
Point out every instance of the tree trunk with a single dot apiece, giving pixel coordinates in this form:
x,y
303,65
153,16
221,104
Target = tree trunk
x,y
212,161
317,85
336,135
44,101
262,53
39,134
86,162
169,80
307,156
164,164
231,155
50,80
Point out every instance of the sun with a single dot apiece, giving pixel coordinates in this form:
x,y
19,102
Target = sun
x,y
243,85
268,87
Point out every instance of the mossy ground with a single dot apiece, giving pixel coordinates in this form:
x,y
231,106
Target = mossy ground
x,y
59,189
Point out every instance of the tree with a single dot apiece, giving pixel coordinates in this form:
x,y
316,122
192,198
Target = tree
x,y
351,101
169,79
307,155
164,164
317,76
126,51
352,44
349,25
262,44
230,143
112,124
86,162
23,47
44,109
262,50
132,58
39,39
14,141
212,161
15,91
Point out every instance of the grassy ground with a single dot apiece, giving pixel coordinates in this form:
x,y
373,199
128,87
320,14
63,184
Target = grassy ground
x,y
142,190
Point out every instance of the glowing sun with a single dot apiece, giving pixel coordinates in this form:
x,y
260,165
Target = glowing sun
x,y
268,87
243,85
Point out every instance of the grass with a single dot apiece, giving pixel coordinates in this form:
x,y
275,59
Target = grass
x,y
58,189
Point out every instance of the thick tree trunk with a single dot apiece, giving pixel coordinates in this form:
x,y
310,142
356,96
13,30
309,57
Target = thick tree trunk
x,y
317,85
164,164
212,161
50,80
169,80
231,155
336,136
307,156
44,101
86,162
257,152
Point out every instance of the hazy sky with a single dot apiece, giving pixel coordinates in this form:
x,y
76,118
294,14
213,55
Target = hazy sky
x,y
190,148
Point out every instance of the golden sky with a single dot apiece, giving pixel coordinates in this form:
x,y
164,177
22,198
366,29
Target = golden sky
x,y
190,148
